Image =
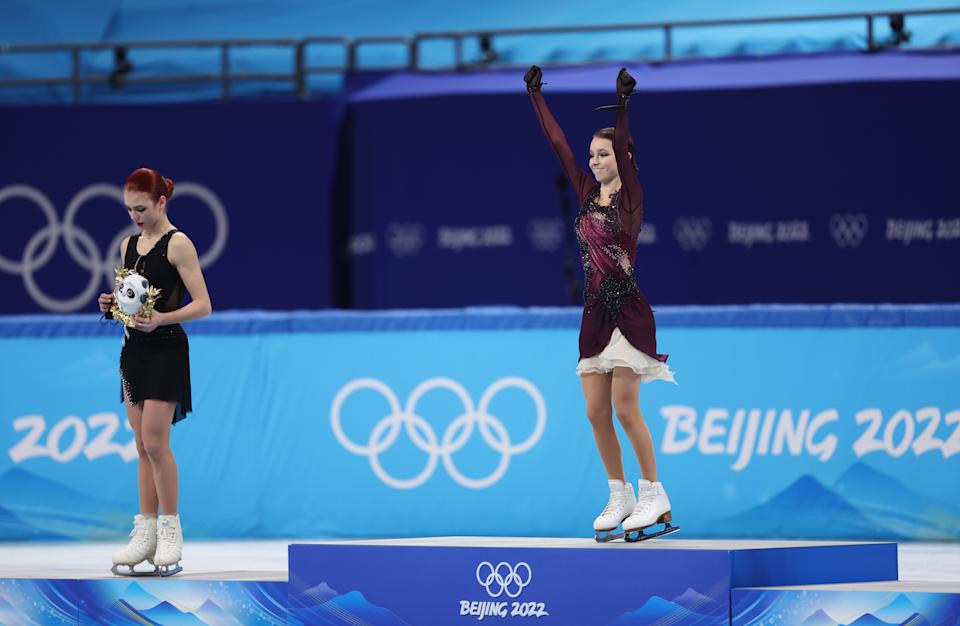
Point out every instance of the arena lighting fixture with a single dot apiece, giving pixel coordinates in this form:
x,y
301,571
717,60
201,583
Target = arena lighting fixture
x,y
121,67
898,33
487,54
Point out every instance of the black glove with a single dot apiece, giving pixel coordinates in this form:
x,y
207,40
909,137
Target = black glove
x,y
533,78
625,83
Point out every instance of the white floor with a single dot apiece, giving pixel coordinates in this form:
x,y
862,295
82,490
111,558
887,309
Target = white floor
x,y
267,560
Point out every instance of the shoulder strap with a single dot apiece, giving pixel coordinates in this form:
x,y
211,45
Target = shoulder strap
x,y
164,242
131,253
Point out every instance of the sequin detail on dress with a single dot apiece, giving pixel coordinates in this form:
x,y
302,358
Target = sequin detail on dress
x,y
612,294
612,290
607,240
125,387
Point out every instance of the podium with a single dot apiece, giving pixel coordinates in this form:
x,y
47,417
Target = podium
x,y
559,581
503,580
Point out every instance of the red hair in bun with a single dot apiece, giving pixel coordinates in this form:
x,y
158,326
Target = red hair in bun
x,y
151,182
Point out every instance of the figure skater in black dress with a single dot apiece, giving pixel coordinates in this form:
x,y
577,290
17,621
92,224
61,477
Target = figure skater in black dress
x,y
155,367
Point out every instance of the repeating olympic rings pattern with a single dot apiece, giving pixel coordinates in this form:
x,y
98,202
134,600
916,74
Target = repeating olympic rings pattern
x,y
81,246
421,433
693,232
504,578
848,229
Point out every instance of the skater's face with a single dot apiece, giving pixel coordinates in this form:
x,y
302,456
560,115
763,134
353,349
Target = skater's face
x,y
603,164
143,211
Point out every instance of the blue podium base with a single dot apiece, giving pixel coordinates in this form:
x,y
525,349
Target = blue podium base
x,y
896,602
505,580
558,581
195,599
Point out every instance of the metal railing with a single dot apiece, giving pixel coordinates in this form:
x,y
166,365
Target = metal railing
x,y
350,47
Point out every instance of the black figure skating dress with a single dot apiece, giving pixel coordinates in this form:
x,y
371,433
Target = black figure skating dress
x,y
156,365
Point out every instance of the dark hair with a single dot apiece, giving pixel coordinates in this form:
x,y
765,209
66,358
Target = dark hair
x,y
151,182
607,133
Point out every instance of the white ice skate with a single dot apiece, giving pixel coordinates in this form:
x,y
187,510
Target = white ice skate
x,y
653,507
142,545
618,508
169,545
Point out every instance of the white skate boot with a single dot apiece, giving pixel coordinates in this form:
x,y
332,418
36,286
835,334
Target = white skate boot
x,y
653,507
169,545
142,545
618,508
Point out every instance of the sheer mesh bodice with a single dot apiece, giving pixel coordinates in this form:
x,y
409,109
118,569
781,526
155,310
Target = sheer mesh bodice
x,y
156,268
607,236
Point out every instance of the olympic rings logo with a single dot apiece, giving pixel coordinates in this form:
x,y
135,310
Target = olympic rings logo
x,y
693,232
406,239
81,245
504,578
423,436
848,229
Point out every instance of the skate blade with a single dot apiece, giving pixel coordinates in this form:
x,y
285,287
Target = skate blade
x,y
638,535
169,570
131,572
603,536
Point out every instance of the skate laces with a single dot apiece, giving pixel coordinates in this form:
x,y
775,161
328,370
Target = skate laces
x,y
140,530
167,532
647,499
617,500
611,504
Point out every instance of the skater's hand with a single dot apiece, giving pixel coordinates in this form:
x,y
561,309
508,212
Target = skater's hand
x,y
625,83
533,78
148,324
105,301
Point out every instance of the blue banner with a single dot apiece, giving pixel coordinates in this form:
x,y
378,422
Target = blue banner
x,y
765,181
251,191
773,431
447,194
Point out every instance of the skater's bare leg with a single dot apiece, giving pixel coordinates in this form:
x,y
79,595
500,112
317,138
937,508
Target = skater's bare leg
x,y
625,390
596,391
157,419
145,480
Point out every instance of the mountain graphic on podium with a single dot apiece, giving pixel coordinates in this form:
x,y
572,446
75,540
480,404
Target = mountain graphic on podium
x,y
819,618
169,615
139,598
212,614
321,605
868,619
899,610
657,610
695,601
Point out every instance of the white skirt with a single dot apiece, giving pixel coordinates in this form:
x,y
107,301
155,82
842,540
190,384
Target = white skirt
x,y
619,353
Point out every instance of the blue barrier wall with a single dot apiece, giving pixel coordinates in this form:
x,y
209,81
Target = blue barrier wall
x,y
819,422
252,192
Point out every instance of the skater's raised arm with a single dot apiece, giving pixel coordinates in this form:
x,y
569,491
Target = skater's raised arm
x,y
581,182
631,193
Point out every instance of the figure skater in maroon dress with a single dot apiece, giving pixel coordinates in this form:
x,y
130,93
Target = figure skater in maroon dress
x,y
618,339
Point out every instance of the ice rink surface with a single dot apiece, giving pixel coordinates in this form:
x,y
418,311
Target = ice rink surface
x,y
267,559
